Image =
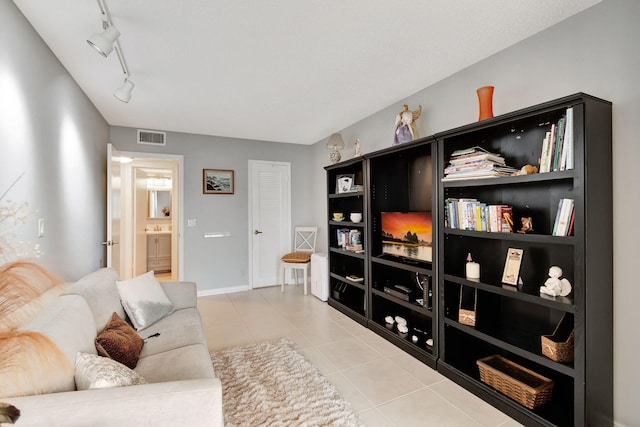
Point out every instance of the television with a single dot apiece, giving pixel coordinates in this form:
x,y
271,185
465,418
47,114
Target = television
x,y
407,235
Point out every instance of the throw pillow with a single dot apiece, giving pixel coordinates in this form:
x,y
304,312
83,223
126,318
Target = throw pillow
x,y
93,371
144,300
297,257
120,342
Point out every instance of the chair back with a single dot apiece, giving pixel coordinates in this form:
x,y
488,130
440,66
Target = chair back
x,y
305,239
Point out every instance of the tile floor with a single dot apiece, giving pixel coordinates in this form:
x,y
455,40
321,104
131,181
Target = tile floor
x,y
386,386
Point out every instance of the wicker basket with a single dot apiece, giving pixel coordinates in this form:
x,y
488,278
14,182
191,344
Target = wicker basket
x,y
523,385
559,346
468,316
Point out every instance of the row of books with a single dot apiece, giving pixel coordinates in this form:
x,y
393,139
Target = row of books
x,y
470,214
557,145
563,224
476,162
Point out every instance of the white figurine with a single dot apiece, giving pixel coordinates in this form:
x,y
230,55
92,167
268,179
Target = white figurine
x,y
356,148
554,285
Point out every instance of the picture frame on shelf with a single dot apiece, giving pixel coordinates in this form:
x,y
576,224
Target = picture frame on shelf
x,y
217,181
511,271
344,182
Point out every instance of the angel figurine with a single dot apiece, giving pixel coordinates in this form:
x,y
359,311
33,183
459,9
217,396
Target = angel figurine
x,y
406,125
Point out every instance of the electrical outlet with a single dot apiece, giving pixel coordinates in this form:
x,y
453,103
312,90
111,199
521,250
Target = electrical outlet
x,y
191,222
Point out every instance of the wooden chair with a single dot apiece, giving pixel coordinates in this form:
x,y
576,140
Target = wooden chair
x,y
300,258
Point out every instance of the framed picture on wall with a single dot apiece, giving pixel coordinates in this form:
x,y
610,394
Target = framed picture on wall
x,y
217,181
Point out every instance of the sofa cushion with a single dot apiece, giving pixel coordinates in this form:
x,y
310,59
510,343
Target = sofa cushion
x,y
144,300
93,371
69,323
179,329
120,342
183,363
100,291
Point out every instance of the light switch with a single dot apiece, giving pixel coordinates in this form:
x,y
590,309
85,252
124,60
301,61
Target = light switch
x,y
41,227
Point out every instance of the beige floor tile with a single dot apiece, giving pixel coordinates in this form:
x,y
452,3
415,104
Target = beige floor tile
x,y
477,409
348,353
424,408
382,380
374,418
419,370
349,392
321,362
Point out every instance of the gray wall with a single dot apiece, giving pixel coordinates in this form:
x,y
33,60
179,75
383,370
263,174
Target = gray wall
x,y
594,52
51,133
223,263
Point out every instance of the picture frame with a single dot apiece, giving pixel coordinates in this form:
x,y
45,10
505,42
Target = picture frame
x,y
217,181
511,271
344,183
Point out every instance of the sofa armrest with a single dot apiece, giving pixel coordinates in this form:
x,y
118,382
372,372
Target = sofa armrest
x,y
187,402
181,294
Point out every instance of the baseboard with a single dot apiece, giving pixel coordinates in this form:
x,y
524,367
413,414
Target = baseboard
x,y
221,291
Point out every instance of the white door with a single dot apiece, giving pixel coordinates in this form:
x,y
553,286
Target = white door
x,y
112,241
269,219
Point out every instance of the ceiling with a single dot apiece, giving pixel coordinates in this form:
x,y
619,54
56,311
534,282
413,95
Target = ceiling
x,y
291,71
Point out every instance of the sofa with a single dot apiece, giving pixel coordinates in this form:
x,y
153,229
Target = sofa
x,y
179,387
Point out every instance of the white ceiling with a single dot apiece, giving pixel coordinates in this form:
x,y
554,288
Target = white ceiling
x,y
290,71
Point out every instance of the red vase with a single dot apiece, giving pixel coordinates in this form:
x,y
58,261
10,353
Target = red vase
x,y
485,98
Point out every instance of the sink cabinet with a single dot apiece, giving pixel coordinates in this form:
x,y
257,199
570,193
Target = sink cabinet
x,y
159,252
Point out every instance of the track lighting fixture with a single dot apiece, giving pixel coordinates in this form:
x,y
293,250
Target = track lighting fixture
x,y
103,42
124,92
107,41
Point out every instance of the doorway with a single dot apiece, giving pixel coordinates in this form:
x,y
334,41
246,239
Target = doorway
x,y
152,203
269,219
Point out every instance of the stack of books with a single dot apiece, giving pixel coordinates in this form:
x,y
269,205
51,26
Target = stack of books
x,y
557,145
474,163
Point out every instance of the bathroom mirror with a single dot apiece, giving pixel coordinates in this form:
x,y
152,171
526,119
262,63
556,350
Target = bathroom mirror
x,y
159,203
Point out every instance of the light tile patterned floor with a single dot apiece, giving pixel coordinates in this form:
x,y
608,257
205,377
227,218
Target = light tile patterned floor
x,y
386,386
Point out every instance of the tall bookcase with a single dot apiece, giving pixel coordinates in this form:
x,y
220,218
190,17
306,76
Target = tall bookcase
x,y
509,319
402,181
348,270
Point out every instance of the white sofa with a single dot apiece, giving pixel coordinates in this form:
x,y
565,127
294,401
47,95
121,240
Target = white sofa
x,y
182,389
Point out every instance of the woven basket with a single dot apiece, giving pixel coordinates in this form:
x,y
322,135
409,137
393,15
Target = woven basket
x,y
559,346
523,385
466,316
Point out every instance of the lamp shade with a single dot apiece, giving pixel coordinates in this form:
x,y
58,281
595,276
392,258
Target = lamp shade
x,y
335,142
124,92
103,42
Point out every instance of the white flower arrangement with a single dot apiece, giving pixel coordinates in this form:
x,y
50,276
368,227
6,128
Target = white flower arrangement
x,y
12,215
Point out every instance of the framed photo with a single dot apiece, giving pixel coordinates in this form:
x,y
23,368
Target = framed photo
x,y
217,181
344,183
512,266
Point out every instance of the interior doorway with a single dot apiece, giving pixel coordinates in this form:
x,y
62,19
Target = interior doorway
x,y
152,203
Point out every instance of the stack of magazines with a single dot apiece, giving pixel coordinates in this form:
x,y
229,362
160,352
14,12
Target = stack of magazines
x,y
476,162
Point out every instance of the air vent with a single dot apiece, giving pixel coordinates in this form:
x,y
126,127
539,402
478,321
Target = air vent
x,y
152,137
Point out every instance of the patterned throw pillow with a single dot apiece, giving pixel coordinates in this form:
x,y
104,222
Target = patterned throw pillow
x,y
93,371
297,257
144,300
120,342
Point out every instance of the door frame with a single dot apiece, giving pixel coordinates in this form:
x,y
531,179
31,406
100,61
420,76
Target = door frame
x,y
286,221
127,226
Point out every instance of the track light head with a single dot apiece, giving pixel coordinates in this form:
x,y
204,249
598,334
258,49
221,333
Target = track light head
x,y
124,92
103,42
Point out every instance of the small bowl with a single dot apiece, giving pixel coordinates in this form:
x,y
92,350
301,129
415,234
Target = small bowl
x,y
355,217
338,216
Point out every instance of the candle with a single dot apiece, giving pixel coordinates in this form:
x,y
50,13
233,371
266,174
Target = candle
x,y
473,270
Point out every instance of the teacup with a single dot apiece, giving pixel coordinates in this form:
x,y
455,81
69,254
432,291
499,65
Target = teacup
x,y
356,217
338,215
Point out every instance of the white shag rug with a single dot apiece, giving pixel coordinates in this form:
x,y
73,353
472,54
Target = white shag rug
x,y
273,384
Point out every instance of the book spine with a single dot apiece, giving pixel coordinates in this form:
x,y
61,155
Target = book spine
x,y
543,154
554,231
565,217
569,140
559,144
